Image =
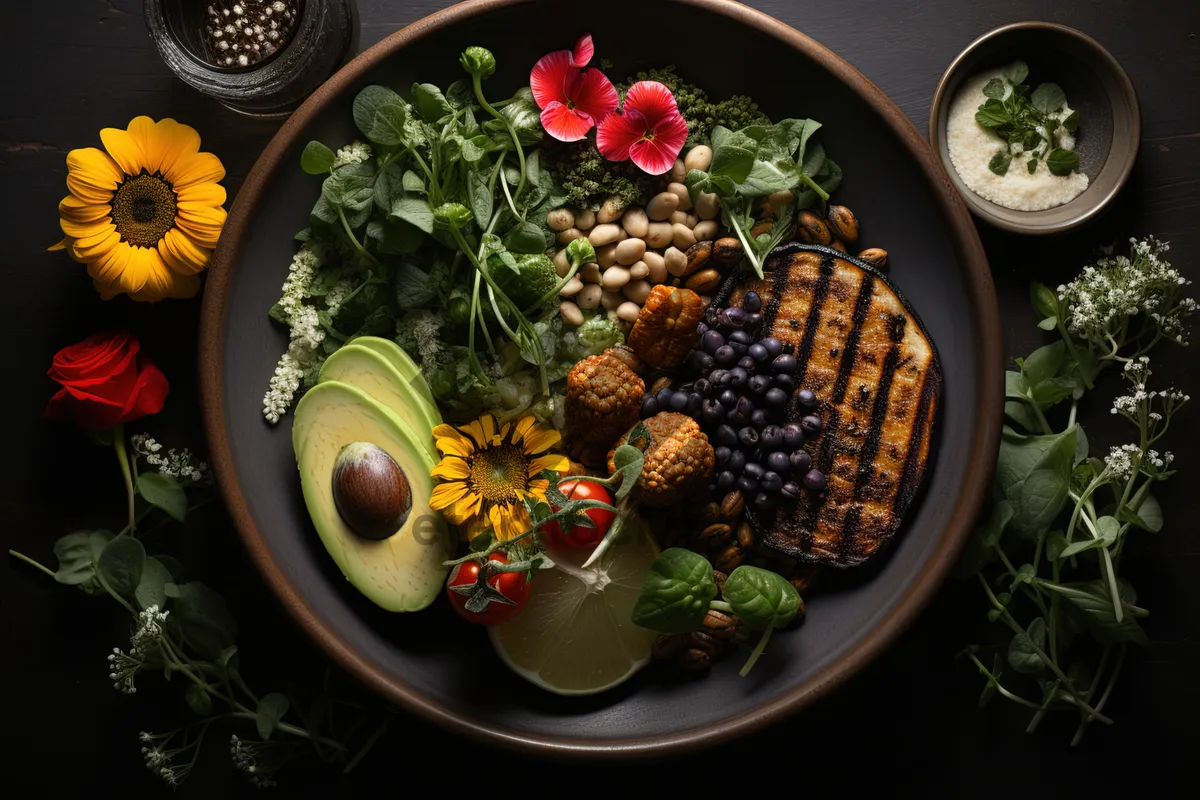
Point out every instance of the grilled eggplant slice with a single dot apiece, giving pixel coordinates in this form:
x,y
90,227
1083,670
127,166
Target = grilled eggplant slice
x,y
865,355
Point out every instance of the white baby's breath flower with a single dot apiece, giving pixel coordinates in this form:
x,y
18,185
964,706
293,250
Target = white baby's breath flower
x,y
257,760
123,669
1123,461
354,153
149,631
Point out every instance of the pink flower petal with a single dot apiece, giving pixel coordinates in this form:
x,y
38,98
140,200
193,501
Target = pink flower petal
x,y
617,132
565,124
594,94
657,154
550,77
584,50
653,100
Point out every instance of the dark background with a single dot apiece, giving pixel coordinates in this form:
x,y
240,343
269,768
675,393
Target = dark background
x,y
72,67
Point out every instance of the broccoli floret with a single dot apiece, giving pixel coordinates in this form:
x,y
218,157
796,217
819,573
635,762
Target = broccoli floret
x,y
701,113
588,178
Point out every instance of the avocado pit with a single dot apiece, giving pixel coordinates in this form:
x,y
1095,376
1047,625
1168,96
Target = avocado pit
x,y
370,490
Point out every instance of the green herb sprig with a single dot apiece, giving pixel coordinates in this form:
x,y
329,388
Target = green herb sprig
x,y
757,161
679,591
1050,542
182,627
1029,122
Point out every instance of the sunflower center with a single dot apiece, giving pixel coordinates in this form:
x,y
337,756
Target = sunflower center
x,y
143,209
499,473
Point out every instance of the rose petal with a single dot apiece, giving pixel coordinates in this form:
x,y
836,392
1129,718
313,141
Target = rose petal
x,y
564,124
594,94
617,132
149,394
548,80
657,155
583,52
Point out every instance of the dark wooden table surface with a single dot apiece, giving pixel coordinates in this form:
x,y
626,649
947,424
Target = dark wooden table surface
x,y
71,67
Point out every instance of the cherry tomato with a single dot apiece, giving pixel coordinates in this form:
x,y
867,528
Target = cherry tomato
x,y
577,535
503,586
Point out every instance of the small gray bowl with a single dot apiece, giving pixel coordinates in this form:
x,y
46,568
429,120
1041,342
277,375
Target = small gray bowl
x,y
1110,126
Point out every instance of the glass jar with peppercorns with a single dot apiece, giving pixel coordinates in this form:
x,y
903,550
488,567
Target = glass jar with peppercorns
x,y
259,57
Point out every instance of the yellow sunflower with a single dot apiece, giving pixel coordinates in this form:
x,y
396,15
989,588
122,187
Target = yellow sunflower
x,y
488,470
145,215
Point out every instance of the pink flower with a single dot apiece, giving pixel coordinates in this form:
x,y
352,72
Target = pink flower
x,y
572,98
649,129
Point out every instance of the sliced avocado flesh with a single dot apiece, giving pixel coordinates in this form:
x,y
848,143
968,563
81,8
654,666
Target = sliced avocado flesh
x,y
365,369
403,572
403,363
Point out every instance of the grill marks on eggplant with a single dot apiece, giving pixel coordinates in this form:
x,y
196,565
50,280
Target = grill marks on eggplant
x,y
874,371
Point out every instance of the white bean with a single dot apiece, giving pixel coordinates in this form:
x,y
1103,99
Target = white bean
x,y
679,190
571,287
662,205
699,157
570,313
639,270
611,210
676,261
678,216
630,251
707,206
614,278
637,291
589,296
606,256
636,222
585,220
589,273
606,233
560,219
691,221
569,235
705,231
678,171
629,311
659,235
610,300
561,265
682,236
657,266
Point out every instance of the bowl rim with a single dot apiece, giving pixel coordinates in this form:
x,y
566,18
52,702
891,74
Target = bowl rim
x,y
981,207
989,353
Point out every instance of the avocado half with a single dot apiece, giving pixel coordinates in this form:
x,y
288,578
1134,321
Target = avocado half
x,y
365,369
405,571
402,363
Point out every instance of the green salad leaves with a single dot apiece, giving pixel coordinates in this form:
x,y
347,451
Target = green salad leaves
x,y
1030,122
758,161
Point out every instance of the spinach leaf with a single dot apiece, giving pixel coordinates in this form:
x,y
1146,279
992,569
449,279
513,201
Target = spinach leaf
x,y
676,593
1021,654
996,88
368,102
201,618
269,712
479,197
413,210
78,554
151,590
1148,516
1000,162
992,114
761,599
1091,604
1017,72
431,104
120,565
163,492
1062,162
1043,494
1048,98
316,159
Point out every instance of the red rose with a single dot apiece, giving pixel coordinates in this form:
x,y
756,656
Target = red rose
x,y
105,383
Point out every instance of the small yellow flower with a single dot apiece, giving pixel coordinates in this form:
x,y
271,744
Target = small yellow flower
x,y
487,470
145,215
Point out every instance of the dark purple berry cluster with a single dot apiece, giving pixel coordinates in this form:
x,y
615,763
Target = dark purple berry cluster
x,y
740,396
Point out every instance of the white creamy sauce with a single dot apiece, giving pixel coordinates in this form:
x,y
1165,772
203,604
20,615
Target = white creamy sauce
x,y
972,146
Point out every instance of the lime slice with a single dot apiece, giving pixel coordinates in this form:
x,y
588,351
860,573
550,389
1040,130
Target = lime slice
x,y
575,637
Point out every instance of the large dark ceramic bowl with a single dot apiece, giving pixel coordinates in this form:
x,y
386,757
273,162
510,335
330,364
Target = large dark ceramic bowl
x,y
426,664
